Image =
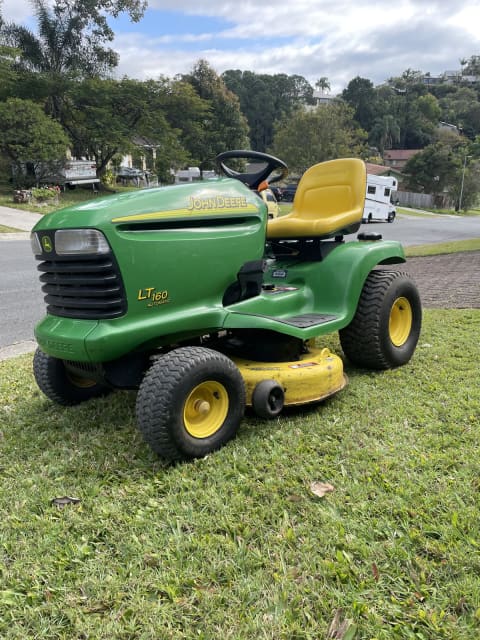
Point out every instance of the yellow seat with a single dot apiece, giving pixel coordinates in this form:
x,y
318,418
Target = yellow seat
x,y
329,201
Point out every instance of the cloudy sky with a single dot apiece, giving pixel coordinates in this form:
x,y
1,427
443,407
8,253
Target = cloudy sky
x,y
339,39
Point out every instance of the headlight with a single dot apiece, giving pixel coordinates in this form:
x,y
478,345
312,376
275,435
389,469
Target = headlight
x,y
80,242
35,244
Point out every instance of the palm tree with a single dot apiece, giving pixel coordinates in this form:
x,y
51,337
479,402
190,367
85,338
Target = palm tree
x,y
323,84
66,42
67,47
385,132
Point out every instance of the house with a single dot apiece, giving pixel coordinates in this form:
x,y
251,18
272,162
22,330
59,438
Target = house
x,y
446,126
384,171
321,97
398,158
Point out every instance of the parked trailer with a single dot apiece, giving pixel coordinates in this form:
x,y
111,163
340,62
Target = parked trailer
x,y
78,172
65,173
378,199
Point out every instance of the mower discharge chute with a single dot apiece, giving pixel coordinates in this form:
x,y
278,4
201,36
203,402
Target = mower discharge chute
x,y
192,296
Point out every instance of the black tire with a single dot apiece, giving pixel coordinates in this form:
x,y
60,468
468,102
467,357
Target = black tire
x,y
391,217
61,386
191,402
385,329
268,399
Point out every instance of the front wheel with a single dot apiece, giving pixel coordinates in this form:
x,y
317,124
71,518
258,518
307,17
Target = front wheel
x,y
190,403
61,385
385,329
268,399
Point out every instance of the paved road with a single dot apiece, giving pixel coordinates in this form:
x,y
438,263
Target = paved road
x,y
21,302
425,229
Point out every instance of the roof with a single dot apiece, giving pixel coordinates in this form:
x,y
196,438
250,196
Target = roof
x,y
140,141
377,169
399,154
384,170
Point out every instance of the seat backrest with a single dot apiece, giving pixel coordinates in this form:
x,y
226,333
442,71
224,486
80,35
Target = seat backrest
x,y
329,201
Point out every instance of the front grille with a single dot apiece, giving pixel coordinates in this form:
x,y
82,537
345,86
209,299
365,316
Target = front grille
x,y
84,288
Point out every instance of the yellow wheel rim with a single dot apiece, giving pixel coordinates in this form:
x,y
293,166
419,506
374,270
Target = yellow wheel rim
x,y
205,409
401,318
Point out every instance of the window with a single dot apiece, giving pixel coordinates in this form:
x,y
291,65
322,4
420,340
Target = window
x,y
371,190
387,191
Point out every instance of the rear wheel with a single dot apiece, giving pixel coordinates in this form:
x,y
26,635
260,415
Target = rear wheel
x,y
190,403
391,216
61,385
385,329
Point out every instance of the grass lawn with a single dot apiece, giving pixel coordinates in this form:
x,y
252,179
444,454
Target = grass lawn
x,y
66,199
443,247
236,545
439,212
5,229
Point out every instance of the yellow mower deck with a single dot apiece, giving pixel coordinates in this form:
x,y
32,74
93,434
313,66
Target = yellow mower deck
x,y
315,376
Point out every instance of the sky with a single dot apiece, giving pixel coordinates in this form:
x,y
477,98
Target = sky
x,y
336,39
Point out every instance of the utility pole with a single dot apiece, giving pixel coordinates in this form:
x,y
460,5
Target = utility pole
x,y
463,180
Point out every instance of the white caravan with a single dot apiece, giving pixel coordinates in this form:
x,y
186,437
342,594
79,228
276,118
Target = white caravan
x,y
378,199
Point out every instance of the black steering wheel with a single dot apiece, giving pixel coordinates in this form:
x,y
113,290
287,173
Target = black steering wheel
x,y
252,180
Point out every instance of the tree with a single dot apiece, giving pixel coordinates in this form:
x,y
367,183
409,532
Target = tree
x,y
27,135
105,116
224,126
266,98
71,43
462,108
447,166
360,94
471,66
7,72
432,170
467,186
72,35
385,132
186,112
323,84
308,137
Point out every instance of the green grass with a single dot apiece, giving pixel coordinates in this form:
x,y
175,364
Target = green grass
x,y
443,247
67,198
5,229
450,212
235,545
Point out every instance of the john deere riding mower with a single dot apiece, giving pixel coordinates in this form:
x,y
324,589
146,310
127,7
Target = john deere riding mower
x,y
191,295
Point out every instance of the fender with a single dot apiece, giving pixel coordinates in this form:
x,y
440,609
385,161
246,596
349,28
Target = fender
x,y
344,271
330,288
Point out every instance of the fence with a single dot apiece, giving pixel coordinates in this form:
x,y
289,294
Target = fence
x,y
422,200
416,200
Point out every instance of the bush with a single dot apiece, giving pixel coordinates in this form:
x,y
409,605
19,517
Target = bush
x,y
45,194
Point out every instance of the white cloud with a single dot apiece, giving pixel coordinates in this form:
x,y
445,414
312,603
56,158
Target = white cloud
x,y
334,38
16,10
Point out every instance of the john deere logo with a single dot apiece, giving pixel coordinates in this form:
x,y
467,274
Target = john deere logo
x,y
46,244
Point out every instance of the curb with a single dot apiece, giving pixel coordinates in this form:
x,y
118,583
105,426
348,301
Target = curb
x,y
17,349
16,235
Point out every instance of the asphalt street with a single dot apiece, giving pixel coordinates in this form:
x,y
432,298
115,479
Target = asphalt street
x,y
21,301
425,229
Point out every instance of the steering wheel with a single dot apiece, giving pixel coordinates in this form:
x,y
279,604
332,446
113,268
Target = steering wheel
x,y
252,180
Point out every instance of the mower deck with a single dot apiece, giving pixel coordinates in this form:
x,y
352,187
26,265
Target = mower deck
x,y
318,374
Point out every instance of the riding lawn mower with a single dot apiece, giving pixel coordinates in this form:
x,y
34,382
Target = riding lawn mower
x,y
190,294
